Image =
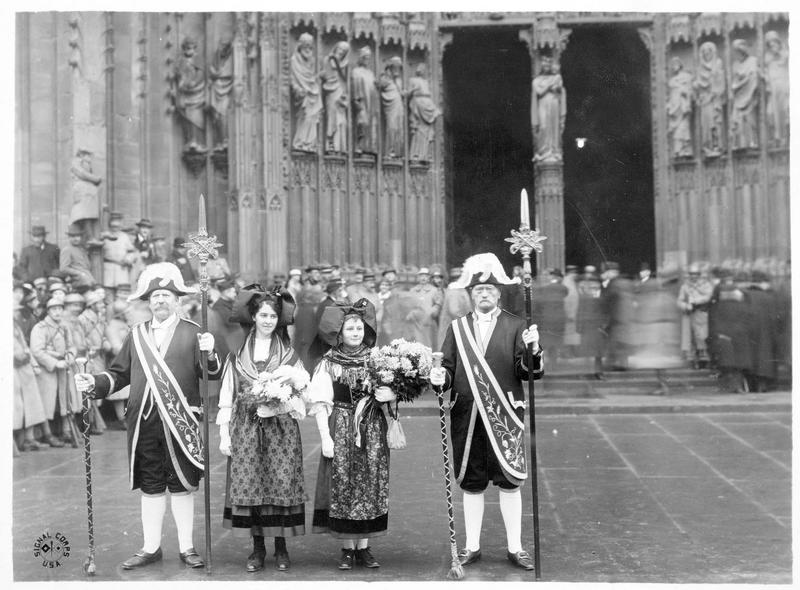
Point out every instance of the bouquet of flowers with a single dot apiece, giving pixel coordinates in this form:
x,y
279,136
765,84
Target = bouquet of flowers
x,y
403,366
278,392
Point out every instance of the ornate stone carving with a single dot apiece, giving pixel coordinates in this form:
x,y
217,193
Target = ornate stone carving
x,y
246,200
334,173
776,86
420,181
307,97
141,62
75,57
548,112
221,80
679,110
303,19
364,178
740,20
302,172
422,114
392,30
392,179
563,39
418,37
219,157
646,35
252,36
711,93
233,201
364,25
709,23
685,177
716,173
390,85
679,29
744,92
189,98
275,203
747,171
336,21
366,104
85,187
194,159
546,31
335,93
262,199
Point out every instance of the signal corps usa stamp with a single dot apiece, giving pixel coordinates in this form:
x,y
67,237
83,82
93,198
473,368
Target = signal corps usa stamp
x,y
51,549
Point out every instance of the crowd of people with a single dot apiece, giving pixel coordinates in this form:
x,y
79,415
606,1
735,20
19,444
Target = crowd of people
x,y
311,332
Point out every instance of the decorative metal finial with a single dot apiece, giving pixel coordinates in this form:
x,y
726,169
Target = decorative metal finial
x,y
201,245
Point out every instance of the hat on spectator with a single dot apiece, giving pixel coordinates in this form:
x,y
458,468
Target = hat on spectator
x,y
333,285
40,282
74,298
225,283
424,271
57,287
95,296
556,272
38,230
295,272
55,301
74,230
144,222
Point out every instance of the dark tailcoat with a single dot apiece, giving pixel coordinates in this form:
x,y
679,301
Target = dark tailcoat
x,y
505,354
182,356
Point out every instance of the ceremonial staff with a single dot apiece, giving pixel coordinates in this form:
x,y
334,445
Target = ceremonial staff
x,y
526,240
202,246
88,564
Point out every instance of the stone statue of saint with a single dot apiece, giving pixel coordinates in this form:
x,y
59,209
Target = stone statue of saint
x,y
85,189
221,76
422,113
334,89
744,88
189,96
548,112
776,80
390,84
366,105
306,93
679,110
710,89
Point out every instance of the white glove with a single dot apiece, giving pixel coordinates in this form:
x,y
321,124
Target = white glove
x,y
224,440
384,394
327,446
84,382
531,336
206,341
437,376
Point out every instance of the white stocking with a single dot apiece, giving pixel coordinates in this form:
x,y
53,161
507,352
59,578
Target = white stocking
x,y
511,509
153,509
473,518
183,513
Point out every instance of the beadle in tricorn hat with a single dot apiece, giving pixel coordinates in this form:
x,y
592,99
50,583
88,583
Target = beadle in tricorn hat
x,y
161,275
482,269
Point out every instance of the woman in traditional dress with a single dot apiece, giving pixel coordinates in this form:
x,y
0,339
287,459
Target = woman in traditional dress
x,y
352,496
264,493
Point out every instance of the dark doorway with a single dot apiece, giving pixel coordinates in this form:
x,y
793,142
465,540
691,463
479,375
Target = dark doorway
x,y
608,184
487,84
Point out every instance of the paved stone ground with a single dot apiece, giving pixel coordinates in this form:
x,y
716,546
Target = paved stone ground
x,y
631,497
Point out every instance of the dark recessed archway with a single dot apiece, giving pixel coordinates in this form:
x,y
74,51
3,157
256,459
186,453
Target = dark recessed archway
x,y
608,184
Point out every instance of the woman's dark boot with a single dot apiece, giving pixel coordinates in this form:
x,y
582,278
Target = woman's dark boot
x,y
256,560
281,554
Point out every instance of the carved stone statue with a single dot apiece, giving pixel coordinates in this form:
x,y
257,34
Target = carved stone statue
x,y
306,93
710,89
422,113
390,84
334,89
776,80
548,112
679,110
744,88
85,189
189,96
366,105
221,75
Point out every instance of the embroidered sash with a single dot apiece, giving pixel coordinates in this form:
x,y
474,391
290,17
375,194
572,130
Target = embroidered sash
x,y
505,431
167,393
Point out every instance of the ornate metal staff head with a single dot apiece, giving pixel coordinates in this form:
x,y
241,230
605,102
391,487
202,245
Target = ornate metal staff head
x,y
525,240
201,245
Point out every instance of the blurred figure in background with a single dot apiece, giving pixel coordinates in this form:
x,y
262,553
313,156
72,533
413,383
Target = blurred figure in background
x,y
591,321
571,337
729,323
548,311
456,304
693,300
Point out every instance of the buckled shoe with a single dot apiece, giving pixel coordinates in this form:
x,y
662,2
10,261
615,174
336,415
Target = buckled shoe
x,y
192,558
142,558
521,559
466,556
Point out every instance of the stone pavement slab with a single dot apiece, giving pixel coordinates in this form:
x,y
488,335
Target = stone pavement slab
x,y
644,497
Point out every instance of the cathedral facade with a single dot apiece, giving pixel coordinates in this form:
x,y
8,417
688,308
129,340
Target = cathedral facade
x,y
345,137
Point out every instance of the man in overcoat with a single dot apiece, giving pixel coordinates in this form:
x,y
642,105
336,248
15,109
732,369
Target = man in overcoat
x,y
161,360
483,365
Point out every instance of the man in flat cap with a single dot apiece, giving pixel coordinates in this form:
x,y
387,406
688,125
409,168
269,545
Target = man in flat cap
x,y
74,260
161,360
483,365
39,258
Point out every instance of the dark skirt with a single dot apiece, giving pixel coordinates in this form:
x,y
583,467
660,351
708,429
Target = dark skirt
x,y
352,495
264,492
